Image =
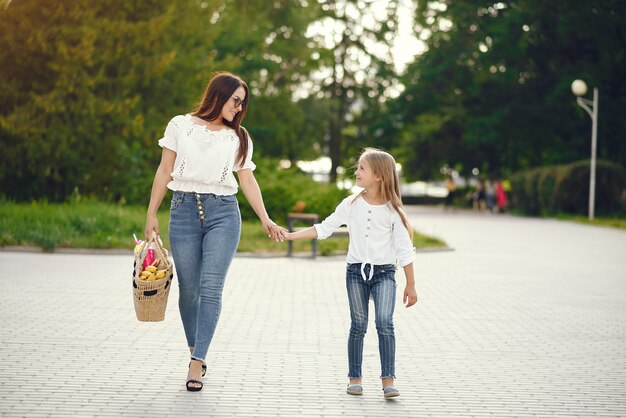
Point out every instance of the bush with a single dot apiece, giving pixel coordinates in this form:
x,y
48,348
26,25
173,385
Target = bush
x,y
565,189
572,191
282,188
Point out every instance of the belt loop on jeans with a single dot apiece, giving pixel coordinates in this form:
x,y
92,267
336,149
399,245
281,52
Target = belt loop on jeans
x,y
363,271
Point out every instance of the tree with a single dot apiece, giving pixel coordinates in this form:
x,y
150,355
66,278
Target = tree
x,y
356,66
492,90
91,86
86,93
266,44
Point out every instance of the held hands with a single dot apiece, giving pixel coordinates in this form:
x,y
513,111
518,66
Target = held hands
x,y
410,296
275,232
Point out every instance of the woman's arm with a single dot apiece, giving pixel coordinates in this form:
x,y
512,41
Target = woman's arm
x,y
252,192
159,188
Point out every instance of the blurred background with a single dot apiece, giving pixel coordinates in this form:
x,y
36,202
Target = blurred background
x,y
473,91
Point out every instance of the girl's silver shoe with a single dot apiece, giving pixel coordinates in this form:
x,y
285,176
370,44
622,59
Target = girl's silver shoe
x,y
390,392
355,389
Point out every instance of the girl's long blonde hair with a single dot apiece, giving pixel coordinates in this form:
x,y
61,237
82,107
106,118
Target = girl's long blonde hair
x,y
384,166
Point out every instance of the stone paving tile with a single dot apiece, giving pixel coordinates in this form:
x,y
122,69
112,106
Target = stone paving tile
x,y
525,317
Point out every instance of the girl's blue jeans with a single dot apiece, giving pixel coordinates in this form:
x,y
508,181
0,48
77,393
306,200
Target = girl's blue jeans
x,y
204,235
382,287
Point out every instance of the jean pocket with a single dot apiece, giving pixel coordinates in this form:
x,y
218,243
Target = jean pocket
x,y
353,268
227,199
177,199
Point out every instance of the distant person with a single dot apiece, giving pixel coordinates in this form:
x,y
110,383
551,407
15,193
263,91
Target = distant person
x,y
501,199
380,236
490,195
451,187
201,151
479,198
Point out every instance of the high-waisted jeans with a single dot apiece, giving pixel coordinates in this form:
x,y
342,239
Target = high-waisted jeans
x,y
382,287
204,235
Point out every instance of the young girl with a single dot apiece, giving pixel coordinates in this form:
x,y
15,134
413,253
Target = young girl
x,y
380,235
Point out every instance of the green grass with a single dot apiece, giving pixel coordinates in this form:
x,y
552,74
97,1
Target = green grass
x,y
74,225
612,222
102,225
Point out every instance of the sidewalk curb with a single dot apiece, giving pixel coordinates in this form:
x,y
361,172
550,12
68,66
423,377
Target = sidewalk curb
x,y
129,252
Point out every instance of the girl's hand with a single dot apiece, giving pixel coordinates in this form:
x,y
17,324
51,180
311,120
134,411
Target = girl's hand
x,y
281,233
274,231
152,226
410,296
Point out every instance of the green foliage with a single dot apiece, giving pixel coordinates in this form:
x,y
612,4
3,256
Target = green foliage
x,y
89,87
493,89
565,189
359,75
90,224
77,224
608,221
265,44
283,188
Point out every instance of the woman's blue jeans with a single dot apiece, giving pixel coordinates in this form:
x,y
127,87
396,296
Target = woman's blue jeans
x,y
204,235
382,287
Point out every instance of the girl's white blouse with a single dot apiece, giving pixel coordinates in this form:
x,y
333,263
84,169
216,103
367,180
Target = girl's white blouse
x,y
205,159
377,234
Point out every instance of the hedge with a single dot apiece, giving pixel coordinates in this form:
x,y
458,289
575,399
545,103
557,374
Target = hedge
x,y
565,189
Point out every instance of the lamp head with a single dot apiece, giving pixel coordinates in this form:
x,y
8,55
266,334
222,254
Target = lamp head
x,y
579,87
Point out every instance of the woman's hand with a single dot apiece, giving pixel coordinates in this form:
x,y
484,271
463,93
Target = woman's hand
x,y
275,232
152,226
410,295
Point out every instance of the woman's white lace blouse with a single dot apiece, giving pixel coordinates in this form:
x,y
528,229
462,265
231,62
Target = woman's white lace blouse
x,y
205,159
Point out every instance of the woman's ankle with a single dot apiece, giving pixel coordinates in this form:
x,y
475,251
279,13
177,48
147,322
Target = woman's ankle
x,y
355,380
387,381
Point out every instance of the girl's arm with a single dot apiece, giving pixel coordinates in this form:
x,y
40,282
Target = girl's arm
x,y
410,295
324,229
162,176
252,192
309,233
406,256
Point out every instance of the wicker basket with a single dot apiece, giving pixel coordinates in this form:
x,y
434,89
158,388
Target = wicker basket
x,y
150,297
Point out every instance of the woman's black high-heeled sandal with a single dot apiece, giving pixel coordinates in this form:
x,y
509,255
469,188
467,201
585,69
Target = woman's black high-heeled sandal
x,y
195,382
194,388
203,369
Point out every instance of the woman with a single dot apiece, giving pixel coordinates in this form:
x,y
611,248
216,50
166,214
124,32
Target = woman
x,y
200,152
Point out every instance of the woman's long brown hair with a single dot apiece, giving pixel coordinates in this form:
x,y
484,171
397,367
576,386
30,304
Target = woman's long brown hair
x,y
219,90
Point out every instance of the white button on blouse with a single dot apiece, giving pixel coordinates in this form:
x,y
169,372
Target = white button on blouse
x,y
377,234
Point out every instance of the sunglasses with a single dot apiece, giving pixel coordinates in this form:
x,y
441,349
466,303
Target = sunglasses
x,y
237,101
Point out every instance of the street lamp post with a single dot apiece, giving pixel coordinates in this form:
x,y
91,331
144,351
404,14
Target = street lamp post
x,y
579,88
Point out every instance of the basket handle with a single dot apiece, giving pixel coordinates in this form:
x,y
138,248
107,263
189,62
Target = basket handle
x,y
158,248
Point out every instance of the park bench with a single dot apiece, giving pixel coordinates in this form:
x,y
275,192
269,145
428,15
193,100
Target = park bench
x,y
310,219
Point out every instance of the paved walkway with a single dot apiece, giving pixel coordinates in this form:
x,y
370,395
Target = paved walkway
x,y
526,317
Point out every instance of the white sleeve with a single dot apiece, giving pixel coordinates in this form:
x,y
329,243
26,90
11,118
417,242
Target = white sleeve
x,y
405,252
170,137
247,163
339,217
